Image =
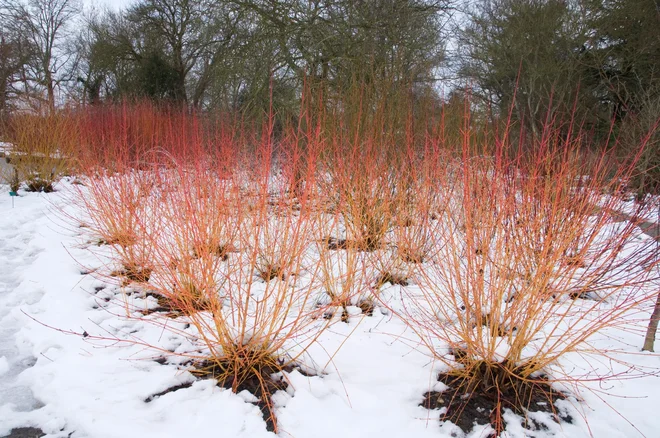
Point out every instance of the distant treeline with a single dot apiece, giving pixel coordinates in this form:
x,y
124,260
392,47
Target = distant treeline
x,y
596,62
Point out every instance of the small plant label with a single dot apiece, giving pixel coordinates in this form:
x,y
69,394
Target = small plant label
x,y
12,194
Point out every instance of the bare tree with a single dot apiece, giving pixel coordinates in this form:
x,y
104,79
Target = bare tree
x,y
525,55
42,26
332,39
11,59
195,34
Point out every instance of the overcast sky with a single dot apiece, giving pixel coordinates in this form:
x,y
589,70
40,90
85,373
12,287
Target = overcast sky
x,y
112,4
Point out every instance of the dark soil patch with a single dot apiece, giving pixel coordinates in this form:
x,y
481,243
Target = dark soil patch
x,y
335,244
392,278
192,301
220,251
260,383
39,185
133,274
167,391
412,257
26,432
121,241
271,272
466,403
164,306
367,307
495,328
367,244
344,314
582,296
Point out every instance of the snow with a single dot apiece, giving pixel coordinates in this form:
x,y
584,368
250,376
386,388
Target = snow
x,y
56,373
648,211
5,148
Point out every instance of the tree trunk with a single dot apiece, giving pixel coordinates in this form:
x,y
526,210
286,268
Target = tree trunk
x,y
180,87
51,91
653,327
3,100
655,317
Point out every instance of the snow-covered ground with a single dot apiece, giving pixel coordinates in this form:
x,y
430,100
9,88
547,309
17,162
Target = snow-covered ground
x,y
4,147
55,374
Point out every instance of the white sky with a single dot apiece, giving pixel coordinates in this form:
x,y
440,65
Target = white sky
x,y
111,4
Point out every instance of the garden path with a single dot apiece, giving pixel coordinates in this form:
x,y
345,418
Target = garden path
x,y
17,251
